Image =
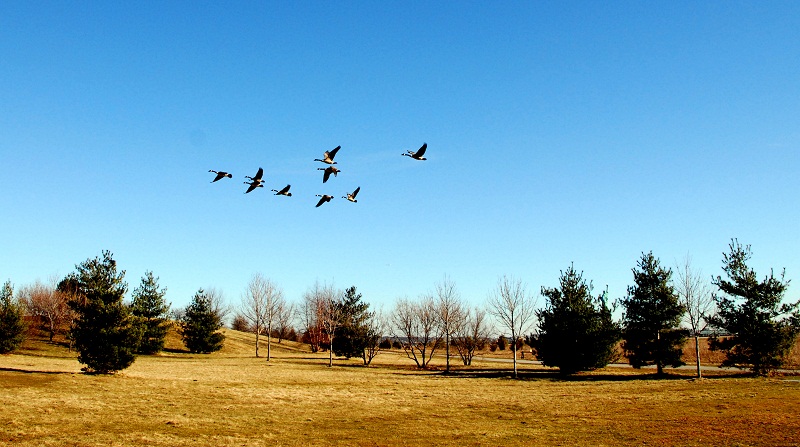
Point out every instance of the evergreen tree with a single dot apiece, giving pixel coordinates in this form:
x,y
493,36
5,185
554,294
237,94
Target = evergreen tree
x,y
103,331
576,332
200,325
763,330
653,314
12,325
353,335
152,310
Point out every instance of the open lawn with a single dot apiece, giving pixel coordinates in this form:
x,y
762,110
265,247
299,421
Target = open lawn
x,y
231,398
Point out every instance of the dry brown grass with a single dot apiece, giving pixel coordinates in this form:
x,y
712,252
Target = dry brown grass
x,y
232,399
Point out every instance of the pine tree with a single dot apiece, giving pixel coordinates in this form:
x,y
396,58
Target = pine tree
x,y
576,332
200,325
152,310
763,329
653,314
103,331
352,336
12,325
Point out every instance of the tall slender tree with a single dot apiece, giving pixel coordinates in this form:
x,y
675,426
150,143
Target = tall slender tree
x,y
652,318
695,294
12,325
514,308
152,311
450,312
763,328
576,331
104,331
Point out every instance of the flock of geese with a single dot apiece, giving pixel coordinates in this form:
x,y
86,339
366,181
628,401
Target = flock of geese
x,y
257,181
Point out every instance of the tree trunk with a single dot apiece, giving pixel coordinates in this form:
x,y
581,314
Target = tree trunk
x,y
269,340
447,352
697,354
258,330
330,353
514,350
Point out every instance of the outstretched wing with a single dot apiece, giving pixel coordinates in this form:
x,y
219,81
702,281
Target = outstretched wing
x,y
326,175
285,190
332,153
253,186
321,201
355,193
219,176
259,174
421,150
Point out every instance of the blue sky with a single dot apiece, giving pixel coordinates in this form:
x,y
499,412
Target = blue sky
x,y
558,133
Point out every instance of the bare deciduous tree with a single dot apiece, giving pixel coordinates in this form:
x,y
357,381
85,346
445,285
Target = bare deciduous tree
x,y
375,326
311,313
449,312
48,304
514,309
416,323
260,305
471,335
694,293
330,315
284,324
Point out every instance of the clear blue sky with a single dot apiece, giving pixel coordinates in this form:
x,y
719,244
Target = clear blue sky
x,y
557,132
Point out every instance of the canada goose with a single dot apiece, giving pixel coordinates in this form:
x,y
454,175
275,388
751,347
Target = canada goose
x,y
284,191
328,171
325,198
253,185
352,197
257,178
418,155
328,157
220,174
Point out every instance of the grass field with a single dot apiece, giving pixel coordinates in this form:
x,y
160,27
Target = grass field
x,y
231,398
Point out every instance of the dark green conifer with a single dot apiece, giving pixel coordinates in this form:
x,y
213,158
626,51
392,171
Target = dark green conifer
x,y
200,325
576,331
151,310
653,314
12,324
353,335
762,329
103,331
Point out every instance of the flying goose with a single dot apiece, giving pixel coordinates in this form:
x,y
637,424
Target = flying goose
x,y
220,174
284,191
328,156
253,185
418,155
352,197
328,171
325,198
257,178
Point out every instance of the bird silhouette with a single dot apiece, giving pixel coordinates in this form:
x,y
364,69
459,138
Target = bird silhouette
x,y
220,174
284,191
328,156
325,198
257,178
352,197
418,155
328,171
253,185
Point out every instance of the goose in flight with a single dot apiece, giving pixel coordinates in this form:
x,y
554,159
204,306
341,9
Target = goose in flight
x,y
220,175
325,198
284,191
328,156
352,197
257,178
253,185
328,171
418,155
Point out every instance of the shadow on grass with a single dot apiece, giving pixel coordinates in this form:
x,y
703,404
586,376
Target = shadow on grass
x,y
554,375
35,371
